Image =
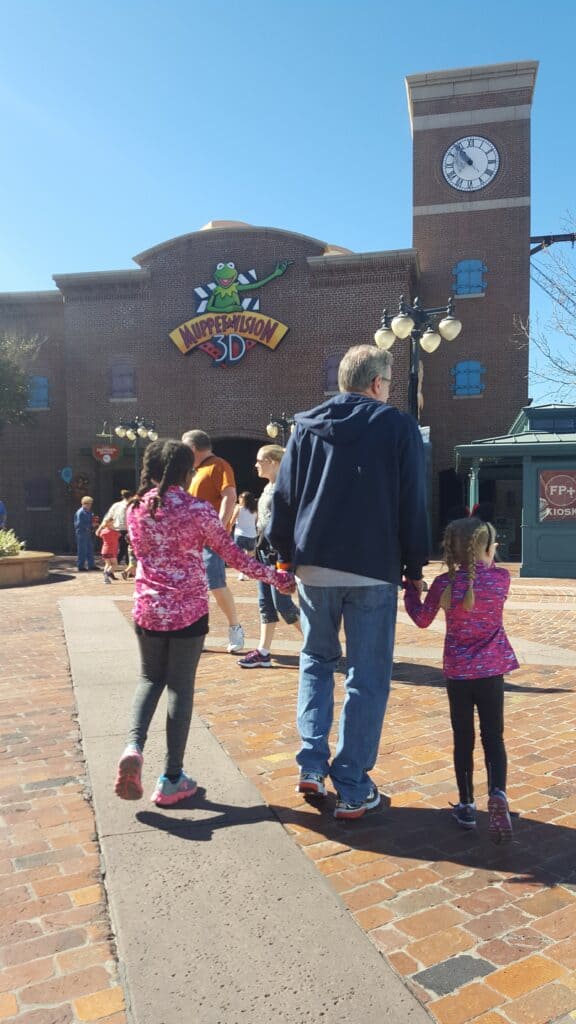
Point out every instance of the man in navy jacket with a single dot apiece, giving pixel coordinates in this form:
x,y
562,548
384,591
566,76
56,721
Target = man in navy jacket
x,y
349,512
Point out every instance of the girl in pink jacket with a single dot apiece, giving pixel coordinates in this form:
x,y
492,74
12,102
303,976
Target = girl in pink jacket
x,y
168,530
477,653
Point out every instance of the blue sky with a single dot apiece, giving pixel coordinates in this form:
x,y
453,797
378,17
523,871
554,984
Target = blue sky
x,y
127,123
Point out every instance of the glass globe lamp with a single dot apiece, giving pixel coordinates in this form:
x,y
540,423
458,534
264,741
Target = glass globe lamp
x,y
384,337
430,340
402,325
450,327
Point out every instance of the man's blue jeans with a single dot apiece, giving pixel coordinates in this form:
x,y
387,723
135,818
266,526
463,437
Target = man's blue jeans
x,y
85,550
369,617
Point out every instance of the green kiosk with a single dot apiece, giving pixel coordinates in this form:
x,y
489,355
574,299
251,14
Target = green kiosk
x,y
532,476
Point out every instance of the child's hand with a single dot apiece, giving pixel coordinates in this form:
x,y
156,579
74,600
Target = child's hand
x,y
285,582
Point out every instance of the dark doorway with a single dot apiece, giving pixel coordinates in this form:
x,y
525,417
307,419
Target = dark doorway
x,y
240,452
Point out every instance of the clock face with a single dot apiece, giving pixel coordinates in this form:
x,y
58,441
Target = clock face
x,y
470,163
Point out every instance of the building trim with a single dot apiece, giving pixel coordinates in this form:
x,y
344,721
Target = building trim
x,y
29,298
477,206
488,79
101,277
463,118
401,257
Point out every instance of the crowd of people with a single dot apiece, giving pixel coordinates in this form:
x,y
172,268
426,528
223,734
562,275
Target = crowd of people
x,y
342,521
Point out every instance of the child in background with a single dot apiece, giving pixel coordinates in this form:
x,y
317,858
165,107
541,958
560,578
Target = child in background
x,y
168,529
243,524
476,654
110,542
130,572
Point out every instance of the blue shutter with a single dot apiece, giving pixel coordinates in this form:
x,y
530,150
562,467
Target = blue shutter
x,y
122,381
468,378
469,277
39,394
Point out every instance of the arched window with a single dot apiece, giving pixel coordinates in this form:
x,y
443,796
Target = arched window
x,y
331,375
39,393
468,378
469,277
122,381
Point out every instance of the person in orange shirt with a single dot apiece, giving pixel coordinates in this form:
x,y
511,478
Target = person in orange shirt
x,y
214,482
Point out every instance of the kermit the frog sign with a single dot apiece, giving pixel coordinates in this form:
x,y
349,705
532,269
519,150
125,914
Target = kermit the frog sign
x,y
228,320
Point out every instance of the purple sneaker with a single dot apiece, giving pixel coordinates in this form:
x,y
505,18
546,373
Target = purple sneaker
x,y
253,659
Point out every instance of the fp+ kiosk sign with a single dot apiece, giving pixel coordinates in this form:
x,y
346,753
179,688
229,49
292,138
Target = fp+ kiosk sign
x,y
228,321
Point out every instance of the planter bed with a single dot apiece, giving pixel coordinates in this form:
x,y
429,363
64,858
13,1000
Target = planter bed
x,y
27,567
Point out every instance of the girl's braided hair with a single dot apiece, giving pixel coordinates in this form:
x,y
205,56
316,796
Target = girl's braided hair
x,y
465,540
166,464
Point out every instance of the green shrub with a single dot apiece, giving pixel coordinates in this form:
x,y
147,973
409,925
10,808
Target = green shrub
x,y
9,544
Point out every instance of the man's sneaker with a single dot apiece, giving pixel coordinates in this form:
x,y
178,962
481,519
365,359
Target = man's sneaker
x,y
254,659
465,815
128,785
168,793
235,639
312,783
345,809
499,823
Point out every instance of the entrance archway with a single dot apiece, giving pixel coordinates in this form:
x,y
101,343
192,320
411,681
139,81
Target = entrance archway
x,y
240,452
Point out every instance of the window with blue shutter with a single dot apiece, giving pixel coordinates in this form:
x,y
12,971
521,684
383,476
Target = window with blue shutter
x,y
469,277
331,375
468,378
39,393
122,381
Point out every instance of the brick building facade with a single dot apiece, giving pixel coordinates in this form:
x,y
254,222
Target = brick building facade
x,y
110,351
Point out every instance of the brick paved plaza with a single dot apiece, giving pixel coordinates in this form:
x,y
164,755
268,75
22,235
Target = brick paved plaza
x,y
478,933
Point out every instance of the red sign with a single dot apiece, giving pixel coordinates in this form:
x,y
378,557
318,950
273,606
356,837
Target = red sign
x,y
557,495
106,452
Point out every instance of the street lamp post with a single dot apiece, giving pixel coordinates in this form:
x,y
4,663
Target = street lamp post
x,y
418,325
277,424
136,430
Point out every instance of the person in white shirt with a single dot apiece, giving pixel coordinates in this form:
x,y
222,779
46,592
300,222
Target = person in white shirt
x,y
243,524
117,512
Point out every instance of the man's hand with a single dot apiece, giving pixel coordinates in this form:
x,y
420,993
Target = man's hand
x,y
418,585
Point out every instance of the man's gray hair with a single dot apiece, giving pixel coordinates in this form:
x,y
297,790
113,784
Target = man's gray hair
x,y
197,439
361,365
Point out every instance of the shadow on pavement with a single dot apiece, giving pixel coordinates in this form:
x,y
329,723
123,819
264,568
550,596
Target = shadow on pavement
x,y
200,830
540,852
415,674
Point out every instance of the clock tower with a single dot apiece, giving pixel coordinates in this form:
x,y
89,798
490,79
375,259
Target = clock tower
x,y
471,228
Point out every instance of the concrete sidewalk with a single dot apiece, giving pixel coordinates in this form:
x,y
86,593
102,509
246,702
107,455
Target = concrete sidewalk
x,y
218,916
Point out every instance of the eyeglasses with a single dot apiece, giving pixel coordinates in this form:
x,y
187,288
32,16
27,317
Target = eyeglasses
x,y
262,460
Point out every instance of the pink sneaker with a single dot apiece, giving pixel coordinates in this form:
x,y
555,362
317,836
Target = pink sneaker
x,y
128,785
168,793
499,823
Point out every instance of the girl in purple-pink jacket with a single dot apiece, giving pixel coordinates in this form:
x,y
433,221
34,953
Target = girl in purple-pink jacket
x,y
168,530
477,653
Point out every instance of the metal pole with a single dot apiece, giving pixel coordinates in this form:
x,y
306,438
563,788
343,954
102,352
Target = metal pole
x,y
136,463
413,378
473,485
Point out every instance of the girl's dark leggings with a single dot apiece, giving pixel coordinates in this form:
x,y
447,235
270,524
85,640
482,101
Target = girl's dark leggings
x,y
166,662
487,695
